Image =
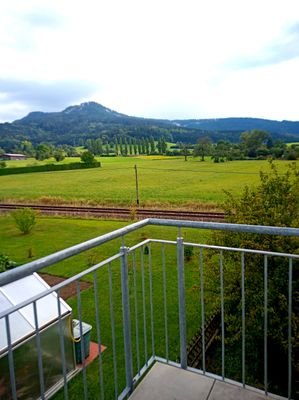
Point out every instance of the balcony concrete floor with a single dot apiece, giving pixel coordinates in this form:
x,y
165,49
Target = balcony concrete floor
x,y
164,382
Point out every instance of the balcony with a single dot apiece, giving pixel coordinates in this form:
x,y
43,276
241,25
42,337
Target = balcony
x,y
164,321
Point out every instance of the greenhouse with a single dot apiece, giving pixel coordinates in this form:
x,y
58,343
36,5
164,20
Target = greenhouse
x,y
24,343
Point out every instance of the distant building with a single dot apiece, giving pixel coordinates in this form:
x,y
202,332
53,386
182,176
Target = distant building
x,y
13,156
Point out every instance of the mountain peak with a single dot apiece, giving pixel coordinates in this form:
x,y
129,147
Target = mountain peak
x,y
89,107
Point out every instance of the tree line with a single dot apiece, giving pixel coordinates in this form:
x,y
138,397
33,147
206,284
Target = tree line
x,y
254,144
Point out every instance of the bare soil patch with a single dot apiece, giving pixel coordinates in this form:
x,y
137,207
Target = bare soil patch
x,y
67,291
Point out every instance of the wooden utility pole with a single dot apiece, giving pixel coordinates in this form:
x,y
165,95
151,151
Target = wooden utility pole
x,y
136,178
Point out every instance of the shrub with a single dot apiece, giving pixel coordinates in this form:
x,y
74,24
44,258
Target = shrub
x,y
25,219
87,157
188,253
6,263
47,168
2,164
59,155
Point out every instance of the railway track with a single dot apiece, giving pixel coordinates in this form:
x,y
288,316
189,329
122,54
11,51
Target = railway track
x,y
125,213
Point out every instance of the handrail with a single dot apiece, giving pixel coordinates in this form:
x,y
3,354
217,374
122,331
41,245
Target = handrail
x,y
34,266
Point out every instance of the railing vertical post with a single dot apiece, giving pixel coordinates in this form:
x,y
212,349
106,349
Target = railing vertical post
x,y
266,325
126,316
290,329
182,305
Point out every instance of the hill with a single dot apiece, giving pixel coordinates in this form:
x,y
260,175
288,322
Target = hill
x,y
77,123
242,124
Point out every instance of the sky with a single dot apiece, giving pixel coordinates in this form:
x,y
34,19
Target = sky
x,y
173,59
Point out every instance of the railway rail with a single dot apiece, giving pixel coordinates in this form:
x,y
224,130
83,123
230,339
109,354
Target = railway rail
x,y
125,213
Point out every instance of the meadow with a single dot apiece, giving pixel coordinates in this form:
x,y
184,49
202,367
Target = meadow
x,y
163,182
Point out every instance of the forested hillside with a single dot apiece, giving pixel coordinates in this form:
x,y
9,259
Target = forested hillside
x,y
74,125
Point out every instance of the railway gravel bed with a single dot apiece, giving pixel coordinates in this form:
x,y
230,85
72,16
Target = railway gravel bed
x,y
118,213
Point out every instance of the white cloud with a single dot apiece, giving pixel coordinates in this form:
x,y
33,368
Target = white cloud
x,y
154,58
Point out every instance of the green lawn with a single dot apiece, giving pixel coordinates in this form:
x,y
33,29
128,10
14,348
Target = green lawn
x,y
163,181
52,234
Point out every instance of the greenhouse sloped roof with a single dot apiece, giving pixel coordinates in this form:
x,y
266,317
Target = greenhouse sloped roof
x,y
22,322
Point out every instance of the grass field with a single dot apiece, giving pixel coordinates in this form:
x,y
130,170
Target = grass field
x,y
163,181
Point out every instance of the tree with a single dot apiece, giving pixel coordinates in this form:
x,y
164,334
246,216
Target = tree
x,y
116,146
273,202
291,152
221,151
139,147
70,151
59,155
131,146
27,148
125,147
98,147
87,157
2,164
43,151
152,145
25,219
147,146
162,145
135,147
121,145
143,148
251,141
184,150
202,148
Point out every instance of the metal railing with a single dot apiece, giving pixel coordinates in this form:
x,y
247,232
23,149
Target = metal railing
x,y
153,312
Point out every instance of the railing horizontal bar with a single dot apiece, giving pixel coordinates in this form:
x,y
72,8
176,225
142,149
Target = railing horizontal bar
x,y
143,369
60,285
140,244
163,241
240,250
213,247
34,266
124,394
241,228
219,378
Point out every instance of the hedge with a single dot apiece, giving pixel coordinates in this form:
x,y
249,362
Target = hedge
x,y
47,167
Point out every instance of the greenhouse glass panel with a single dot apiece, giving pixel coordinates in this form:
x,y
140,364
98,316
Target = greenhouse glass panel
x,y
21,327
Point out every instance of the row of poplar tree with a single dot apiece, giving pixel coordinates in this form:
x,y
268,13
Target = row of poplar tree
x,y
126,146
